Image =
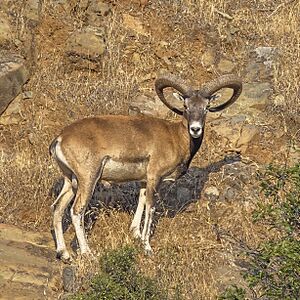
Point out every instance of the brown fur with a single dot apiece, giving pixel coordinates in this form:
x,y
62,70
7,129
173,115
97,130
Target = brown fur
x,y
125,138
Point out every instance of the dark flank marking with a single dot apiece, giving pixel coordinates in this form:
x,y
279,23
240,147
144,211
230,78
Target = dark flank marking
x,y
52,147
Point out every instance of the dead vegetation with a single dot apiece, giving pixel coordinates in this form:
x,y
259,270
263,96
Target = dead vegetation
x,y
187,248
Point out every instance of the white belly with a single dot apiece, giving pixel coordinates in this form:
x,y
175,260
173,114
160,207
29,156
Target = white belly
x,y
117,171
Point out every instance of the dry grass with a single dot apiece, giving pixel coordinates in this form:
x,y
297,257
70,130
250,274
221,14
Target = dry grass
x,y
187,251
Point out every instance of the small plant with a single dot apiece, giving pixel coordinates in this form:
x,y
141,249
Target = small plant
x,y
119,279
233,293
273,270
282,187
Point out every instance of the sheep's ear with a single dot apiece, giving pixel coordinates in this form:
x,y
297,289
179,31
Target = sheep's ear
x,y
214,97
179,97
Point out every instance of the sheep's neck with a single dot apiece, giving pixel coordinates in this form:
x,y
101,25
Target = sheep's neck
x,y
194,144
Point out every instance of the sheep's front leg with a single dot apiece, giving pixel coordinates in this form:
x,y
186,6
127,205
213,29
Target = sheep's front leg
x,y
149,212
135,226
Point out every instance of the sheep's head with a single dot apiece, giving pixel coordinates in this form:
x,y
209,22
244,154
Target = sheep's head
x,y
196,103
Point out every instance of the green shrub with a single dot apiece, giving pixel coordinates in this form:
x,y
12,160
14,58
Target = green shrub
x,y
233,293
282,187
119,279
273,270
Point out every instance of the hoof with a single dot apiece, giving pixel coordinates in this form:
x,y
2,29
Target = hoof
x,y
63,256
136,233
52,207
67,261
148,251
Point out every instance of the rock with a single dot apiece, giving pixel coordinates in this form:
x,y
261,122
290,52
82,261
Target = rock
x,y
69,278
27,95
252,102
183,194
267,55
279,100
9,120
229,194
32,138
256,94
225,66
99,7
11,116
208,58
96,11
212,193
14,107
148,106
235,133
32,11
5,31
86,47
134,24
13,74
257,71
247,134
28,268
261,66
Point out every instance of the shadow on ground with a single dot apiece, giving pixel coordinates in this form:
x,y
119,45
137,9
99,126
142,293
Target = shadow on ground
x,y
173,197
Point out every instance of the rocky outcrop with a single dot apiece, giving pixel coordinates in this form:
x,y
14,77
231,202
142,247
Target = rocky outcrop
x,y
86,46
13,74
96,11
149,106
5,31
234,182
28,269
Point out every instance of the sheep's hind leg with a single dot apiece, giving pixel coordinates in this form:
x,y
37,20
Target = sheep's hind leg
x,y
59,206
83,195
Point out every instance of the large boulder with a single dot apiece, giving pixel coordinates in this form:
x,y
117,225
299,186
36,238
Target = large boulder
x,y
235,133
28,269
5,30
13,75
252,103
149,106
85,47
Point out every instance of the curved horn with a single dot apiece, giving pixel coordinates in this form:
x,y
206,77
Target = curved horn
x,y
226,81
171,81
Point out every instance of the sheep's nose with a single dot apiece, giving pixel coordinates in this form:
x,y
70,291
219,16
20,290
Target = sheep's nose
x,y
196,129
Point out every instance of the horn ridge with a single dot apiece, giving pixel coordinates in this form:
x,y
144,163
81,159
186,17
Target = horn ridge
x,y
174,82
225,81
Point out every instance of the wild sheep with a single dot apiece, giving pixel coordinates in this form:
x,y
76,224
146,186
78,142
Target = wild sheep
x,y
119,148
